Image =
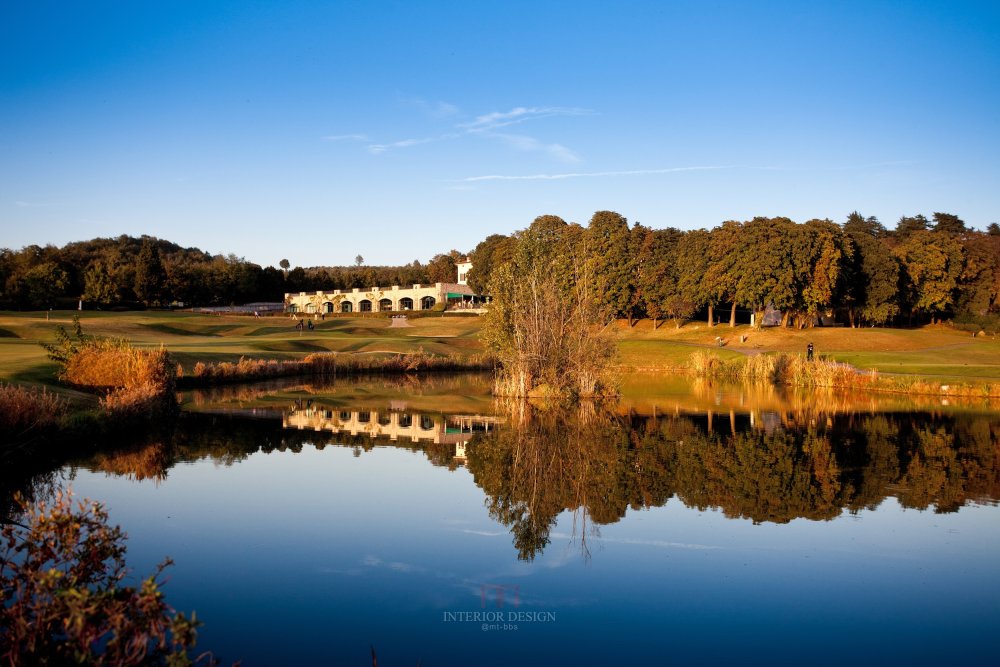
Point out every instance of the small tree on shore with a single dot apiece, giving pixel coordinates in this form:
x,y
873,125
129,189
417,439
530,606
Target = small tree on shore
x,y
545,325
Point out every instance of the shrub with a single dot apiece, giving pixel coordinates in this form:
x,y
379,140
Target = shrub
x,y
134,382
66,602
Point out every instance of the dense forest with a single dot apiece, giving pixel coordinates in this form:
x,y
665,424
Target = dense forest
x,y
150,272
860,272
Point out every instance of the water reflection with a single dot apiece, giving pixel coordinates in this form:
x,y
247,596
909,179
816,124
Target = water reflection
x,y
534,464
767,468
765,462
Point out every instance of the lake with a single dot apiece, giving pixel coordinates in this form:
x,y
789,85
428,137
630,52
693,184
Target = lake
x,y
688,523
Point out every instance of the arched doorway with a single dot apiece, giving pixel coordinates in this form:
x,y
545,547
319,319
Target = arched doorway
x,y
346,307
406,303
365,306
385,304
328,307
427,303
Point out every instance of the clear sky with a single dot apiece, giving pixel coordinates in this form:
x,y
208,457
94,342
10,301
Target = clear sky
x,y
316,131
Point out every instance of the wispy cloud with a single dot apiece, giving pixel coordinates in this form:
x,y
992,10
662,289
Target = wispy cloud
x,y
663,544
588,174
346,137
432,108
485,533
377,149
526,143
486,125
497,119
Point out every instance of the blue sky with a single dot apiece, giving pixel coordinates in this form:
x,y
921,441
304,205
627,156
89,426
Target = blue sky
x,y
317,131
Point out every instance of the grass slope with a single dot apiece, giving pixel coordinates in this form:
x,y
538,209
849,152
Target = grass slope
x,y
194,337
937,351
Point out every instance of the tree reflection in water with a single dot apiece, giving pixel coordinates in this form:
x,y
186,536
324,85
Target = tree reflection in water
x,y
599,464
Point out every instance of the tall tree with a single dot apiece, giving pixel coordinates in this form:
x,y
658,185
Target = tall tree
x,y
443,268
765,268
909,224
948,223
979,289
721,275
693,257
658,276
610,262
872,277
150,277
490,253
99,285
820,269
859,224
932,262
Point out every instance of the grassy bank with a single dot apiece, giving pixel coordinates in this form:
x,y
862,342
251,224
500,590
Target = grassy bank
x,y
933,354
208,339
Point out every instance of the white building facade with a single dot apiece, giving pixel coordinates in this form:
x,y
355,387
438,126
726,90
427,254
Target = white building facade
x,y
395,298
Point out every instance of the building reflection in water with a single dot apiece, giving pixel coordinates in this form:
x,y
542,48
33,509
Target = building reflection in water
x,y
395,425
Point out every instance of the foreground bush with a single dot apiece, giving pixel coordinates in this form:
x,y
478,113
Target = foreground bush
x,y
133,382
66,601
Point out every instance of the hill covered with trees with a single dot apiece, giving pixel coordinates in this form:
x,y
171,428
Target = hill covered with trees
x,y
147,271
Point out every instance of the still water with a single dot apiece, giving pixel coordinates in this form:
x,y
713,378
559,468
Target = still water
x,y
693,525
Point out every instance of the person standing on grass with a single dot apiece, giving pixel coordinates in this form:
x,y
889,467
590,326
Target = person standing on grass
x,y
809,352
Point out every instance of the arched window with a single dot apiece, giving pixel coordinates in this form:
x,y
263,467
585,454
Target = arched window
x,y
365,306
346,307
385,304
406,303
427,303
328,307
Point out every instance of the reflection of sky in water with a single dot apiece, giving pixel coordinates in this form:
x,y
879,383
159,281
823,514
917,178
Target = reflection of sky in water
x,y
311,557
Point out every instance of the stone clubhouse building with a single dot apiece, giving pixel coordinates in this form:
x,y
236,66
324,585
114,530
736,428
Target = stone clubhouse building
x,y
387,299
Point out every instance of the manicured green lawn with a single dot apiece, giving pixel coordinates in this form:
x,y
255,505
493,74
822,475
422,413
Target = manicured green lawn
x,y
193,337
937,352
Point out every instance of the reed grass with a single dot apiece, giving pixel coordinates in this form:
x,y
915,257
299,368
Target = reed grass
x,y
24,411
793,370
328,364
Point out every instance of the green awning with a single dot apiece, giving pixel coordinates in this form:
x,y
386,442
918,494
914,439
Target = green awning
x,y
452,295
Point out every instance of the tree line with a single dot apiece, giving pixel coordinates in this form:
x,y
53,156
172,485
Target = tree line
x,y
149,272
858,271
